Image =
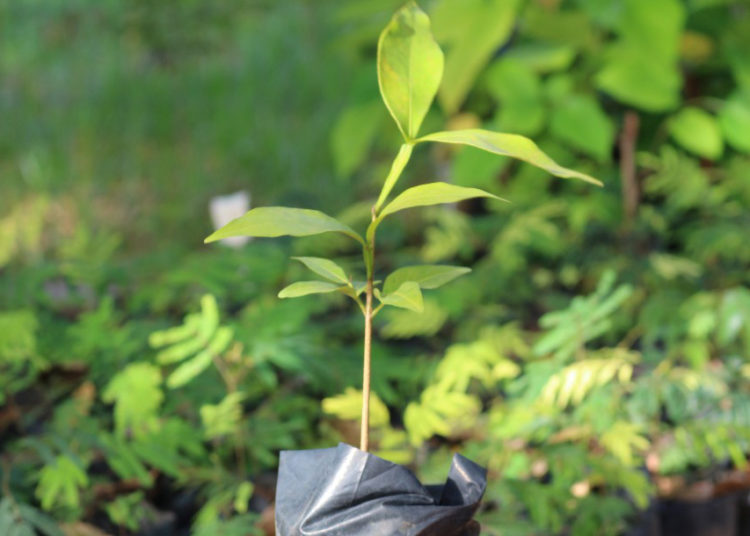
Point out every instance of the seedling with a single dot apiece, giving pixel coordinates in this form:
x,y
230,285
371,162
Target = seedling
x,y
410,68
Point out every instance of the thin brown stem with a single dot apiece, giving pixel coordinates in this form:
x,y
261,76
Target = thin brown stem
x,y
364,442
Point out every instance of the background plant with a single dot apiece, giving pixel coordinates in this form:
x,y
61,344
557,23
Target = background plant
x,y
119,119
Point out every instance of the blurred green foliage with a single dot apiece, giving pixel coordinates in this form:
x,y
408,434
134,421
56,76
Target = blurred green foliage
x,y
599,348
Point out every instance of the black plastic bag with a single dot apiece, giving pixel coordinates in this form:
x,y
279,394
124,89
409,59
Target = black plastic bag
x,y
345,491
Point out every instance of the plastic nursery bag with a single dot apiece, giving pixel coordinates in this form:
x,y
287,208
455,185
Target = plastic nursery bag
x,y
345,491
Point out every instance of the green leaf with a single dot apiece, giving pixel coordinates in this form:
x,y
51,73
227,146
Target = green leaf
x,y
433,193
188,370
303,288
519,92
127,510
648,47
223,418
572,384
439,412
353,135
624,439
404,324
507,145
122,459
580,122
476,168
181,350
407,296
282,221
410,66
136,394
59,483
325,268
543,57
44,524
175,335
242,496
201,361
17,335
427,276
472,30
698,132
348,406
623,77
398,165
734,119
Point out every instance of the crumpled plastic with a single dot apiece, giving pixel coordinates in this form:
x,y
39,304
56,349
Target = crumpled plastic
x,y
345,491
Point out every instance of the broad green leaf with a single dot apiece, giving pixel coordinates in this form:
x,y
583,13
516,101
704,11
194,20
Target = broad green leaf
x,y
543,57
410,66
407,296
519,92
303,288
427,276
734,119
472,31
623,77
433,193
404,324
733,320
736,43
698,132
282,221
572,27
137,395
325,268
507,145
647,49
476,168
353,135
580,122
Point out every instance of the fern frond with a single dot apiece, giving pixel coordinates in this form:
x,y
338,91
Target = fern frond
x,y
200,338
574,382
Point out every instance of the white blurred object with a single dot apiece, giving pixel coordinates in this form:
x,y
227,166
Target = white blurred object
x,y
225,208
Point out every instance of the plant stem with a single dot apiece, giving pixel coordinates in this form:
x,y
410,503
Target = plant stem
x,y
630,193
364,441
369,255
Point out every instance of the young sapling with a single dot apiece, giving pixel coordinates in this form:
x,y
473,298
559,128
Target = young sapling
x,y
409,68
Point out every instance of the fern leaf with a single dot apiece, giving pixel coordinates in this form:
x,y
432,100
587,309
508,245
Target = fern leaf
x,y
59,483
223,418
136,393
573,383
